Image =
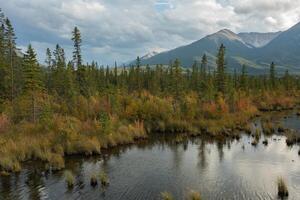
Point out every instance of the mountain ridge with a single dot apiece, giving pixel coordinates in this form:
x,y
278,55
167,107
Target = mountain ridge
x,y
256,50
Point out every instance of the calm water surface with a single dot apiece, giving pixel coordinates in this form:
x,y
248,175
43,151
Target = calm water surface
x,y
217,169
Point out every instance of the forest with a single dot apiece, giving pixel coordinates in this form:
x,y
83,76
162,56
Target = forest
x,y
64,107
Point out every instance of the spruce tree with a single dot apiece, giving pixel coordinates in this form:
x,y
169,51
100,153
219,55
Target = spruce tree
x,y
177,78
221,70
244,77
32,79
138,74
195,77
203,73
272,75
10,40
3,65
32,72
77,61
203,67
77,58
48,62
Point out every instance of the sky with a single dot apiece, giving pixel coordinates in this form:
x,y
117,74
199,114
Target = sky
x,y
121,30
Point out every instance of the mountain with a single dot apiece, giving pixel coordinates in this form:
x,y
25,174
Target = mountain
x,y
149,55
284,50
258,39
236,48
256,50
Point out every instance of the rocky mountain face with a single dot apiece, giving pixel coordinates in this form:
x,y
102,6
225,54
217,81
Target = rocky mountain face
x,y
258,39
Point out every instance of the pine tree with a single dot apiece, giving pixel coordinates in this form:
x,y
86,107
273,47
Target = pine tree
x,y
221,70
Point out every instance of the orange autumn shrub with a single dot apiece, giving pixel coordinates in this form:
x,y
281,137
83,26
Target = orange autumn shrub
x,y
4,123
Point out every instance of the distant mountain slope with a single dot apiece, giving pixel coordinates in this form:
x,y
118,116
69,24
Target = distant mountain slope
x,y
283,50
258,39
256,50
207,45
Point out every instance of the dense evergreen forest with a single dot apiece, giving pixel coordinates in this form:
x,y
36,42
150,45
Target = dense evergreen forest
x,y
61,107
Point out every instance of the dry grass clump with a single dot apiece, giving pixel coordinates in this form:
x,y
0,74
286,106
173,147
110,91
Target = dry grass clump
x,y
291,138
166,196
254,142
268,127
265,142
56,162
282,188
70,179
103,178
194,196
93,180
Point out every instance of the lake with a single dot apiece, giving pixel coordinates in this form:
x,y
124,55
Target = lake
x,y
218,169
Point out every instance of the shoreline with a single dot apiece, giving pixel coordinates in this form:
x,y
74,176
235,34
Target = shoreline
x,y
223,133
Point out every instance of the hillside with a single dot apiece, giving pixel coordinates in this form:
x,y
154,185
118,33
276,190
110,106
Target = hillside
x,y
256,50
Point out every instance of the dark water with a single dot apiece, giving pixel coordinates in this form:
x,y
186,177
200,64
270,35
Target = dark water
x,y
217,169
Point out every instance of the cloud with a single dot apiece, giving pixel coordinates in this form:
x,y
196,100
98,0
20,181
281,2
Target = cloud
x,y
122,29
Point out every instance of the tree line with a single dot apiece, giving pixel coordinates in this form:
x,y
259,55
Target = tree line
x,y
26,84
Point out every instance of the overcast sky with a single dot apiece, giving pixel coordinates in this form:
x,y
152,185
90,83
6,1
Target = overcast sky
x,y
122,29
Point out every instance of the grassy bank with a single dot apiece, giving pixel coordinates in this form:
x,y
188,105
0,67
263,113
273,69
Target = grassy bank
x,y
101,122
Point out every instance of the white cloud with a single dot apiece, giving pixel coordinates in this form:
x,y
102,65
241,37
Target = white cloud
x,y
122,29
